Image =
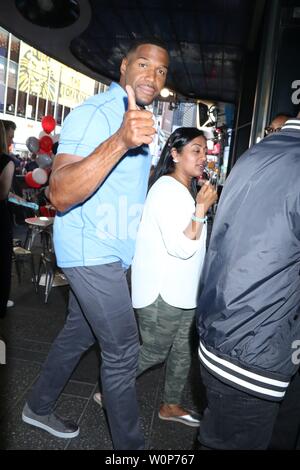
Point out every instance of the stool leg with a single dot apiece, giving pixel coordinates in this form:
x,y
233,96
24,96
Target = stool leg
x,y
49,282
39,274
17,265
34,279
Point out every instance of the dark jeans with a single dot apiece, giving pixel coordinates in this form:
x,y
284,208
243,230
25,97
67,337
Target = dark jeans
x,y
235,420
99,307
286,432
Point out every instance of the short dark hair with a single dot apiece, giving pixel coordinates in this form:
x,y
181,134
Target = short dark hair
x,y
287,115
9,124
154,40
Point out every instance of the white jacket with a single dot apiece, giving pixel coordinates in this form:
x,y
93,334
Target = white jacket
x,y
166,262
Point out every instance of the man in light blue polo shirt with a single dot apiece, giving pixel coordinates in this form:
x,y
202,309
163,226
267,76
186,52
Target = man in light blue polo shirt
x,y
98,184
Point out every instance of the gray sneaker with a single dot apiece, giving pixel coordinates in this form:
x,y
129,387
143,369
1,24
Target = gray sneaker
x,y
51,423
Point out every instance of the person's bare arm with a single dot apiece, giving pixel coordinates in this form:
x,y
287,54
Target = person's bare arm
x,y
74,179
6,178
206,197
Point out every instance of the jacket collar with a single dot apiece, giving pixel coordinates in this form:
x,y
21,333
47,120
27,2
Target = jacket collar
x,y
291,124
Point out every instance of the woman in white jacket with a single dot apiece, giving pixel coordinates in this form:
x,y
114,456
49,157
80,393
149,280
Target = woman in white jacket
x,y
166,269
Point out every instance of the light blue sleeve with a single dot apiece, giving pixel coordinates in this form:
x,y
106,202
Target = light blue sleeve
x,y
86,127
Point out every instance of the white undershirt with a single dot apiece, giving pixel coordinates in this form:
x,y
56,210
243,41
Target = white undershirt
x,y
166,262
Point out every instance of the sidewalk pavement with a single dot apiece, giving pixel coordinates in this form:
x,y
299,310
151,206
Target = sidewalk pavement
x,y
28,330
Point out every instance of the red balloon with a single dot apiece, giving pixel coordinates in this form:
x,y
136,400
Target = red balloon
x,y
216,149
48,124
30,181
46,144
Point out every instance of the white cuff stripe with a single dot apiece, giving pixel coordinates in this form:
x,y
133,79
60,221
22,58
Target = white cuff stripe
x,y
242,383
239,370
291,121
291,126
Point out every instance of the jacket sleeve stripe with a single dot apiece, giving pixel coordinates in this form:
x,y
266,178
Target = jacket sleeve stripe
x,y
233,373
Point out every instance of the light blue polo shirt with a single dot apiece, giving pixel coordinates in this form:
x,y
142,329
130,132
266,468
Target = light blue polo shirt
x,y
103,228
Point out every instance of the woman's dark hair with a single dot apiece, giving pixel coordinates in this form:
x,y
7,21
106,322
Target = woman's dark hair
x,y
166,166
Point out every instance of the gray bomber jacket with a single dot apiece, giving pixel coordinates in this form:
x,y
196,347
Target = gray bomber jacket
x,y
248,313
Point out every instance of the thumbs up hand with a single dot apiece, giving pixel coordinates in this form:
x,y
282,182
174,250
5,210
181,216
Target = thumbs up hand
x,y
131,98
138,124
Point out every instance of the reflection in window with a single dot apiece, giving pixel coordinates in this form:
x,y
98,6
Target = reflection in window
x,y
50,109
21,103
15,49
3,42
10,100
41,109
3,65
11,88
102,87
59,110
2,81
66,111
31,107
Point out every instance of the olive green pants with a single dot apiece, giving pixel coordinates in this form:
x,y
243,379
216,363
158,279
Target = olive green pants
x,y
166,334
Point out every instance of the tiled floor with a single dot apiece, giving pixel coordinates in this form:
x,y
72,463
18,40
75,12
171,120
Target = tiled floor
x,y
28,330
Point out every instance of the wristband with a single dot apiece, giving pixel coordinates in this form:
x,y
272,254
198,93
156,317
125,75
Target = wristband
x,y
201,220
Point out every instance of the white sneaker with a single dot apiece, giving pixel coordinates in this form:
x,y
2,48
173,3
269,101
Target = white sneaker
x,y
10,303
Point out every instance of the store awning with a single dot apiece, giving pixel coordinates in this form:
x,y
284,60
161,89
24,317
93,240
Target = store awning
x,y
207,40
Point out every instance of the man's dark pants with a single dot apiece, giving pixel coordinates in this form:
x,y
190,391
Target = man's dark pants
x,y
236,420
99,309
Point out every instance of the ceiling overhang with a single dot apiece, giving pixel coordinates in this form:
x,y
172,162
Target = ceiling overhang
x,y
207,41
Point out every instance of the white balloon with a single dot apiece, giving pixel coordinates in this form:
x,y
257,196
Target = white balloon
x,y
40,176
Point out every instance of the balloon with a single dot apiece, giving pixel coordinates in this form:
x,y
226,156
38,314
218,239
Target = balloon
x,y
33,144
42,133
39,175
55,138
46,143
216,149
48,124
43,160
30,181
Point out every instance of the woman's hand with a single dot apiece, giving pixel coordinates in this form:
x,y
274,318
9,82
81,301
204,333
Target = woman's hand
x,y
206,198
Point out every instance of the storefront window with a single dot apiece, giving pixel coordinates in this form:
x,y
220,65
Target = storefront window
x,y
22,96
41,109
3,65
59,110
66,111
50,108
3,62
3,42
11,89
15,49
31,107
102,87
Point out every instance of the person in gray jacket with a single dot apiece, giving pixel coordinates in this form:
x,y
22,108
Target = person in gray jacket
x,y
248,313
